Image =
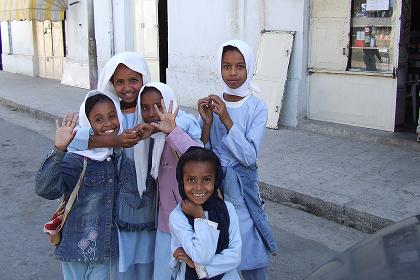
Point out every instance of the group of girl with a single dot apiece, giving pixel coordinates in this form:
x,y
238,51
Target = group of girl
x,y
154,203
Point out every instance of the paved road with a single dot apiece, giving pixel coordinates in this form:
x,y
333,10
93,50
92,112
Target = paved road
x,y
305,241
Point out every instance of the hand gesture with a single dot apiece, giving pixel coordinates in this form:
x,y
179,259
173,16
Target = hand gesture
x,y
127,139
180,255
65,133
192,209
145,130
219,107
206,111
167,118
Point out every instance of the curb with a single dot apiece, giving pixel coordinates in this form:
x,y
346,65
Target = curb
x,y
366,135
340,214
36,113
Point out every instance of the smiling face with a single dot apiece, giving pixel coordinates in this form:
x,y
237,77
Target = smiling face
x,y
127,84
149,98
104,118
234,71
199,178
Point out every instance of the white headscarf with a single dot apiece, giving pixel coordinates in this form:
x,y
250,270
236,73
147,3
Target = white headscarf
x,y
137,63
142,147
248,87
99,154
132,60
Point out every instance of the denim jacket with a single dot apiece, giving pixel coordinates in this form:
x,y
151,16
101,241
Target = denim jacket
x,y
235,193
135,212
88,234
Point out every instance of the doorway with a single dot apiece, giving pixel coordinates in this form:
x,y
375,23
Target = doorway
x,y
1,52
410,47
163,38
50,47
151,35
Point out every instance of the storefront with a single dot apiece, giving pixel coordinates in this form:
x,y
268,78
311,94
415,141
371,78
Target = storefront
x,y
362,65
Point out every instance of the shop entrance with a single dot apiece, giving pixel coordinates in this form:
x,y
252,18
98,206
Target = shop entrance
x,y
151,35
409,67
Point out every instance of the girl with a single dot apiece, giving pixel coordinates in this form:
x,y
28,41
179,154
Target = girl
x,y
174,132
124,76
233,127
204,228
88,239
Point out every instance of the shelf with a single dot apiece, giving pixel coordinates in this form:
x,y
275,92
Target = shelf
x,y
370,21
374,48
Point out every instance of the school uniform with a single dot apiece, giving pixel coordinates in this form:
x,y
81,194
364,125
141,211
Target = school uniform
x,y
238,151
89,241
201,243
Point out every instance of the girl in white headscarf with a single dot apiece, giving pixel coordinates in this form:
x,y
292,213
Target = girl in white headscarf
x,y
173,131
233,127
123,76
89,240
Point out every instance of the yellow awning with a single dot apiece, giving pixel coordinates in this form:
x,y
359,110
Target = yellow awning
x,y
32,10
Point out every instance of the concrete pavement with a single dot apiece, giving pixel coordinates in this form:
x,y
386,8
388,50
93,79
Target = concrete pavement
x,y
359,177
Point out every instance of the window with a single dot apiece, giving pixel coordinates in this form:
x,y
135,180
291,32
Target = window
x,y
371,44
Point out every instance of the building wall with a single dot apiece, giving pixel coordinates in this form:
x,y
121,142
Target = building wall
x,y
198,28
21,60
365,101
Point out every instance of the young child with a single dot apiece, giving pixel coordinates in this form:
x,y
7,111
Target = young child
x,y
173,131
124,76
233,127
205,230
89,241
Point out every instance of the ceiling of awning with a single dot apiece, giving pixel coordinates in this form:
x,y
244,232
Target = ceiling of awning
x,y
32,10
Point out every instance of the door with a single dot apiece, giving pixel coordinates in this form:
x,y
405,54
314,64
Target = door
x,y
50,47
146,33
329,34
271,69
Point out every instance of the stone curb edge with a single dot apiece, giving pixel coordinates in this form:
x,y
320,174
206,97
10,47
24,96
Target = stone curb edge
x,y
36,113
340,214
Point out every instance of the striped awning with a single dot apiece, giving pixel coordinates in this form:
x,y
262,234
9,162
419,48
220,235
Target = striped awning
x,y
32,10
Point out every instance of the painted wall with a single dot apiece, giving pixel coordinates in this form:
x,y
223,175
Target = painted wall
x,y
22,59
365,101
197,28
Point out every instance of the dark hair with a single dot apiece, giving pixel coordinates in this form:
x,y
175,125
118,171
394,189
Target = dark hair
x,y
200,154
150,89
93,100
112,77
229,48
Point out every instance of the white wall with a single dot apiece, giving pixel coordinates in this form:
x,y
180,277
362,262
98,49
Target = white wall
x,y
359,100
22,60
197,28
75,67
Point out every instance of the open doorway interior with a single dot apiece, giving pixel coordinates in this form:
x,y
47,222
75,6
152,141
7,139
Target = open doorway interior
x,y
163,38
410,50
1,51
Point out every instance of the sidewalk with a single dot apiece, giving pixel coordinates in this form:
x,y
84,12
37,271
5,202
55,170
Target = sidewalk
x,y
358,177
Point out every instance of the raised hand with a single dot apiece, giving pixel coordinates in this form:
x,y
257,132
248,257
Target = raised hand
x,y
65,132
192,209
127,139
205,110
219,107
180,255
145,130
167,118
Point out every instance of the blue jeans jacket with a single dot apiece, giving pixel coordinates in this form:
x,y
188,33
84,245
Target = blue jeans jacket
x,y
241,185
89,233
135,212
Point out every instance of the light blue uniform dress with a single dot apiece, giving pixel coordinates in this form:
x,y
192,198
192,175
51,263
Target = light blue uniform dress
x,y
241,147
201,243
136,248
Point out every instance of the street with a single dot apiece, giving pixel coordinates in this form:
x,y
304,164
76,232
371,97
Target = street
x,y
305,241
